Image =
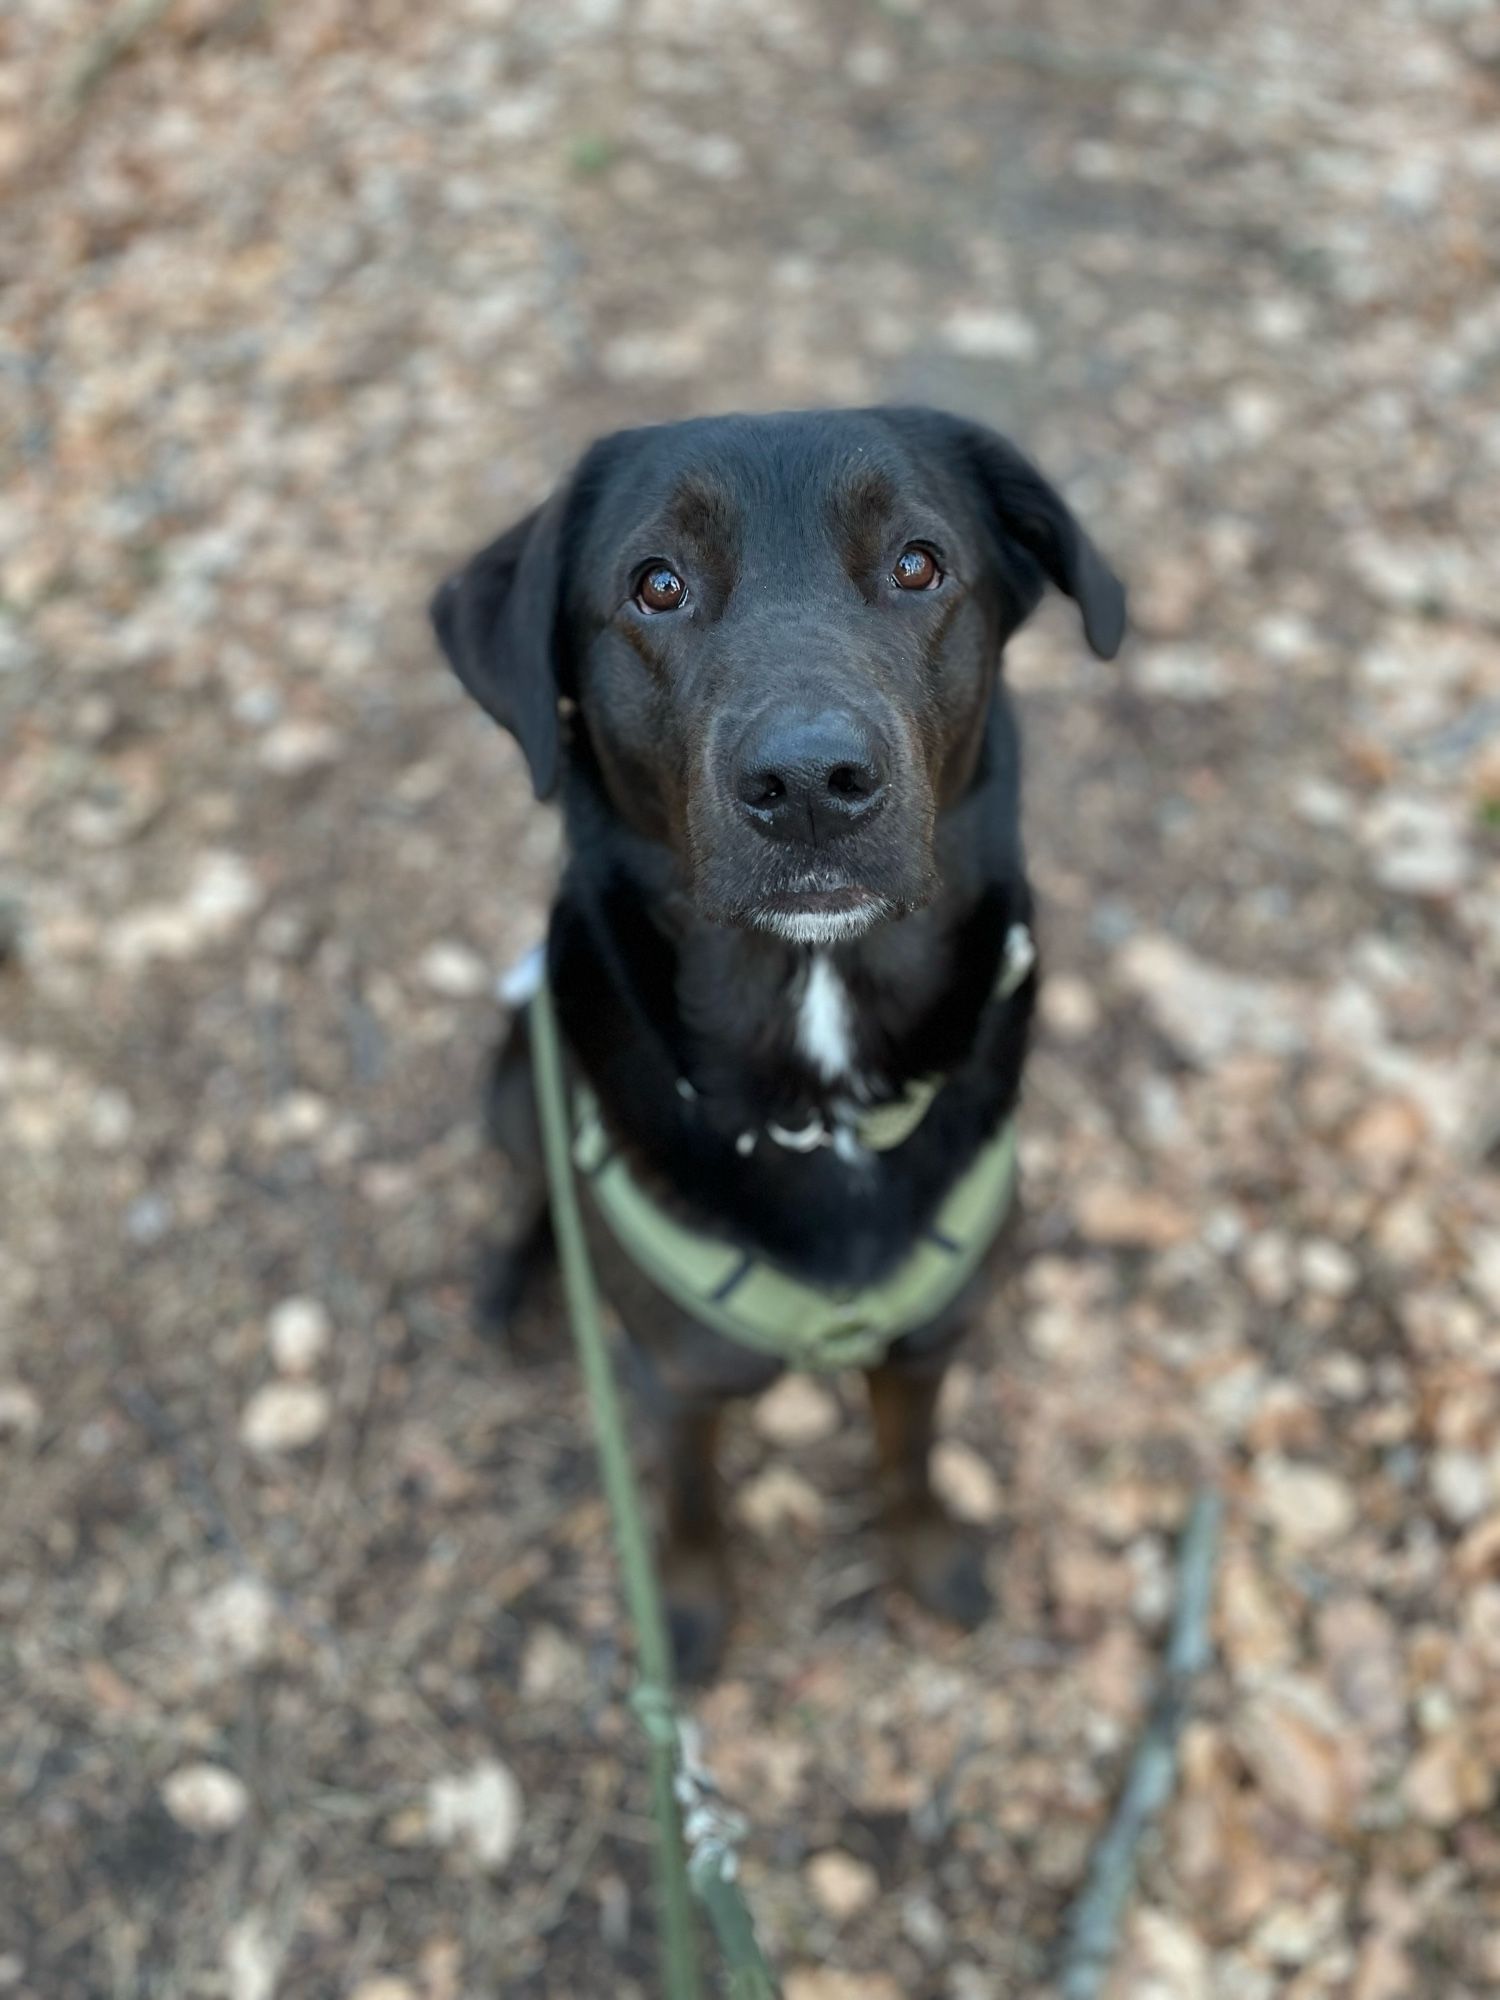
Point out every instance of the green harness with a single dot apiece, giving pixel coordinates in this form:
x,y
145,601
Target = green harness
x,y
758,1303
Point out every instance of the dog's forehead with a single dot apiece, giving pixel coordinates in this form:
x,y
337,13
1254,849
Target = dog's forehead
x,y
718,482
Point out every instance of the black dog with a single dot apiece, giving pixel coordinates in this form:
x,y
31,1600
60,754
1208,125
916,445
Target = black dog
x,y
760,657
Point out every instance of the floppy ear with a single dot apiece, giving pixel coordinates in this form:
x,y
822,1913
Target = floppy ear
x,y
498,621
1024,507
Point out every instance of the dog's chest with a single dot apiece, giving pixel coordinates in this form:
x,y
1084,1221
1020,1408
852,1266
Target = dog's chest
x,y
797,1058
823,1024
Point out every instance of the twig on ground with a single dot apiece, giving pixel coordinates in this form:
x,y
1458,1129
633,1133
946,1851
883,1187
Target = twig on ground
x,y
1055,56
1094,1921
123,27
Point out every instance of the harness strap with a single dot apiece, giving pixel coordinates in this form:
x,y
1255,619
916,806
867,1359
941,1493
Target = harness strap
x,y
757,1303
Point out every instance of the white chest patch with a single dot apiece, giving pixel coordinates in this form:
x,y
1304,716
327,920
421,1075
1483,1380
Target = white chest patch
x,y
825,1023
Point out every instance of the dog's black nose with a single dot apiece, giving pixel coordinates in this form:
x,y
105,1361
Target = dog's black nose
x,y
809,777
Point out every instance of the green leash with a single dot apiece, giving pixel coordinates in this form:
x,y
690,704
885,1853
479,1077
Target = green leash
x,y
677,1786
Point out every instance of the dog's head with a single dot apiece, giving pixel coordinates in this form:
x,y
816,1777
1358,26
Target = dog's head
x,y
779,637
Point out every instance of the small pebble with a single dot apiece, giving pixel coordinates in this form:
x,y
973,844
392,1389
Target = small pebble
x,y
292,748
981,334
478,1813
1327,1268
20,1412
1069,1007
454,971
298,1332
797,1411
967,1483
1267,1263
285,1416
205,1798
776,1499
1462,1486
841,1885
234,1625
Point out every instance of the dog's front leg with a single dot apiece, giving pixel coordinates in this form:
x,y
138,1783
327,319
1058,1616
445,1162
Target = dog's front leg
x,y
514,1260
695,1553
686,1378
933,1556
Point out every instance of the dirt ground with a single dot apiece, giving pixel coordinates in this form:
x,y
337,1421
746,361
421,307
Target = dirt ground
x,y
311,1663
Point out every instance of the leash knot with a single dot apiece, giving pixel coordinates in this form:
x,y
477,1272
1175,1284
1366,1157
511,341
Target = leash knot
x,y
654,1711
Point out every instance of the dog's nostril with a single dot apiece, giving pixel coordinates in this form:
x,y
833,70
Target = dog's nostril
x,y
850,781
765,788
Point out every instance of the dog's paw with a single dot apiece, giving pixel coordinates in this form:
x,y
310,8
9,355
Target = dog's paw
x,y
695,1590
499,1287
941,1565
509,1281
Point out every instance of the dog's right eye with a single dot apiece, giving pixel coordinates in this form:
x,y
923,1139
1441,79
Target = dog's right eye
x,y
659,588
916,569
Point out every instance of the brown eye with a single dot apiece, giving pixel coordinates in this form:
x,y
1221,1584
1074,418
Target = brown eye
x,y
660,589
916,569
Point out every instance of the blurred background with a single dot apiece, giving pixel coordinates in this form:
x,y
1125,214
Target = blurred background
x,y
309,1646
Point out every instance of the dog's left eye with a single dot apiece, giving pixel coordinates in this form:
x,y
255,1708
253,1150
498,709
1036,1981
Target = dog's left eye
x,y
659,588
916,569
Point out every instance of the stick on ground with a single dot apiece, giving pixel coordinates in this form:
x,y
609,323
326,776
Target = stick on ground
x,y
1094,1922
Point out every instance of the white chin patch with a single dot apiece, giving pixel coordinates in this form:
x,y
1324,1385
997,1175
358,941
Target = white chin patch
x,y
821,926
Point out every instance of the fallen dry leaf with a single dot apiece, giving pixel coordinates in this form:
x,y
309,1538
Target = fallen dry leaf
x,y
1449,1780
1121,1217
1165,1958
818,1983
1361,1651
1302,1754
1256,1633
1384,1972
1308,1505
